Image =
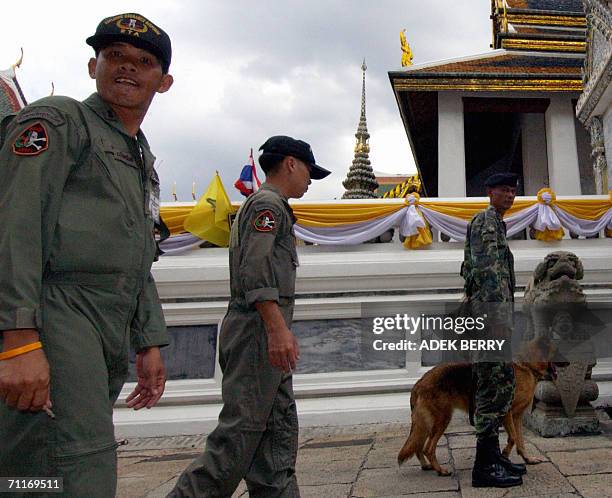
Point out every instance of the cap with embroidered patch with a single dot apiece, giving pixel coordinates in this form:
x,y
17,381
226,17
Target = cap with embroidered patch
x,y
136,30
281,146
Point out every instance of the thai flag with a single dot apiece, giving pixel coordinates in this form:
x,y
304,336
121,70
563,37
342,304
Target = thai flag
x,y
248,181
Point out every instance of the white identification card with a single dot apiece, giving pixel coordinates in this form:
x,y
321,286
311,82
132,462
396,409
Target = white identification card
x,y
154,205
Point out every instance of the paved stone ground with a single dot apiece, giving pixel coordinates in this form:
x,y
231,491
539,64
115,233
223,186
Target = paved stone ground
x,y
360,461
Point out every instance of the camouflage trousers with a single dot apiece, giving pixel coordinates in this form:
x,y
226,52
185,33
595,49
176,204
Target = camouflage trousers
x,y
257,434
493,397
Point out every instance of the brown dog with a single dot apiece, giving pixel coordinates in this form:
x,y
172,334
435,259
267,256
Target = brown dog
x,y
448,387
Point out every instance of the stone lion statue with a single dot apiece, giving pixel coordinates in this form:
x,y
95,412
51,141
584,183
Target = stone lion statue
x,y
552,304
555,280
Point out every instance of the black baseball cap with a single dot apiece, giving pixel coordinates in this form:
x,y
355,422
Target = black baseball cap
x,y
136,30
282,146
509,179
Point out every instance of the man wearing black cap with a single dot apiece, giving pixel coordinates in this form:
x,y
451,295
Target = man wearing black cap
x,y
80,203
257,435
488,270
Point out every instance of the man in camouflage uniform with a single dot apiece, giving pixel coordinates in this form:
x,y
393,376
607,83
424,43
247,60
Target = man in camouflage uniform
x,y
257,435
488,270
80,202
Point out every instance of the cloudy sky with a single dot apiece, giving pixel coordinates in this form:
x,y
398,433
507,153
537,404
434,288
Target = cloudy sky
x,y
245,70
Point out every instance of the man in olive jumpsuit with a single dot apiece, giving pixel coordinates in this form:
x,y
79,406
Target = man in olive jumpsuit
x,y
79,202
488,269
257,435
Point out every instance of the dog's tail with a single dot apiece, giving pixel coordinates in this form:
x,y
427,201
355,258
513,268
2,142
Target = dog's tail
x,y
418,432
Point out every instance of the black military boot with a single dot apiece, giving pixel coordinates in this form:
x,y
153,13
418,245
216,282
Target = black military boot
x,y
518,469
488,472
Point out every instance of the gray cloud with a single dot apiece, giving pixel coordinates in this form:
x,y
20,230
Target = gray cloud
x,y
245,70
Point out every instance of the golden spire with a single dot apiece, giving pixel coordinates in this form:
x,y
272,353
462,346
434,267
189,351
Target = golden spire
x,y
362,134
360,182
406,51
18,63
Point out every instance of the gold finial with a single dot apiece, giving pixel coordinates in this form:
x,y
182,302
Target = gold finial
x,y
406,51
193,193
174,197
505,19
18,63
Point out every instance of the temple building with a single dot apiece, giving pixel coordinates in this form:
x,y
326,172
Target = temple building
x,y
594,106
11,96
509,109
391,186
360,182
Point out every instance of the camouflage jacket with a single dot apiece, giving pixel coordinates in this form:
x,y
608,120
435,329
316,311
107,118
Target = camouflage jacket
x,y
488,265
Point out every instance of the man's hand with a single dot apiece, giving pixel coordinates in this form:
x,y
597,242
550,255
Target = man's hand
x,y
24,379
151,379
283,349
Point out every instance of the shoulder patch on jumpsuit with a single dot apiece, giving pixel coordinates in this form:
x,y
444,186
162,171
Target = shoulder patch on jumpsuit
x,y
32,141
264,221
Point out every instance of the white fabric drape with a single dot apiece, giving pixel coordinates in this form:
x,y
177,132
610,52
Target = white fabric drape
x,y
356,233
585,227
543,215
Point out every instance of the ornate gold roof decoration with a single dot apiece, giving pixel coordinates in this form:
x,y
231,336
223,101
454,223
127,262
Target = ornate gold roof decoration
x,y
512,18
18,63
548,20
544,45
488,84
406,51
410,185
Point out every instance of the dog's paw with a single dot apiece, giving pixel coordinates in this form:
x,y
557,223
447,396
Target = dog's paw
x,y
427,466
533,460
444,472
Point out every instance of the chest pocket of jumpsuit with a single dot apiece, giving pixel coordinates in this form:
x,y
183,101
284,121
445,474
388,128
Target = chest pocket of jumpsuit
x,y
120,168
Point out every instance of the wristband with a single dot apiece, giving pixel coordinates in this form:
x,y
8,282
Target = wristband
x,y
11,353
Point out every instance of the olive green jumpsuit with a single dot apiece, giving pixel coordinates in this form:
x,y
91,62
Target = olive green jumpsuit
x,y
78,204
257,434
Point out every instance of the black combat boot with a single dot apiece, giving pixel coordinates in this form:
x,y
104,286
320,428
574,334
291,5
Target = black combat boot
x,y
518,469
488,472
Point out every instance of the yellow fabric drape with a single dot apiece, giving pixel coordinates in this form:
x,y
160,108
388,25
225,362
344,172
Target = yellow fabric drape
x,y
467,210
209,219
584,209
330,215
421,239
549,235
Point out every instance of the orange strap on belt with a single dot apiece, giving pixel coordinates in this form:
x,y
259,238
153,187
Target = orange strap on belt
x,y
11,353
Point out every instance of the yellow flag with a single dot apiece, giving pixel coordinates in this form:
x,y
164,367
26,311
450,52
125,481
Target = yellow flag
x,y
209,218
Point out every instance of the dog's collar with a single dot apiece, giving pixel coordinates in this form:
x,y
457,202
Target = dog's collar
x,y
537,373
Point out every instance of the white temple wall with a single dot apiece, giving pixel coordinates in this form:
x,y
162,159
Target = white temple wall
x,y
195,289
535,161
561,148
451,145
